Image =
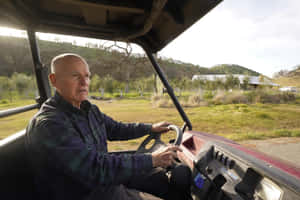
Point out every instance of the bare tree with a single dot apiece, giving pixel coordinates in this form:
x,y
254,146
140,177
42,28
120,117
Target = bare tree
x,y
125,62
16,53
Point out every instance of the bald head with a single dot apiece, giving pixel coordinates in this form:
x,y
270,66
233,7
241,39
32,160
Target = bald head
x,y
63,59
70,76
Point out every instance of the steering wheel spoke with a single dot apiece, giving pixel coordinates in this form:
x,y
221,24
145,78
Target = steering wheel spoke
x,y
158,143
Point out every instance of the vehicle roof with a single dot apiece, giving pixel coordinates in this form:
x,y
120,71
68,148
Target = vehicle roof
x,y
151,23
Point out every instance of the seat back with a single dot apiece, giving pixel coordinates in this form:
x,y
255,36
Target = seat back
x,y
16,177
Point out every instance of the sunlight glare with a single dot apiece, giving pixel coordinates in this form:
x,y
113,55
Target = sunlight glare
x,y
12,32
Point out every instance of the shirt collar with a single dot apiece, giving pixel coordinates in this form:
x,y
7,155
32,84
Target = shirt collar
x,y
85,106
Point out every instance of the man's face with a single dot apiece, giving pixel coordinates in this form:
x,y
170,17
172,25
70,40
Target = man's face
x,y
71,80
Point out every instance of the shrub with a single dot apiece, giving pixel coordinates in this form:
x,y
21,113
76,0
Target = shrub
x,y
163,103
116,95
296,133
236,97
208,95
194,100
4,101
263,115
282,133
155,97
288,96
132,95
269,96
251,96
219,98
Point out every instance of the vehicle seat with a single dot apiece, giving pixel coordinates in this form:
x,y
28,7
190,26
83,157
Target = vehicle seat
x,y
16,177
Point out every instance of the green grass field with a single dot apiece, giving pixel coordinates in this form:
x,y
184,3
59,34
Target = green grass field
x,y
233,121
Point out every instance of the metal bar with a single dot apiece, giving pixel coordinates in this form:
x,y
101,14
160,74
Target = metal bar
x,y
40,71
168,87
6,113
12,138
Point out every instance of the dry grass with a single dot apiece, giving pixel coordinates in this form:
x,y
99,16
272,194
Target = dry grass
x,y
288,81
234,121
161,101
195,100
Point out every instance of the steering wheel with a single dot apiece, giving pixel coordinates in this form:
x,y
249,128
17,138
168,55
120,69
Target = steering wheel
x,y
158,143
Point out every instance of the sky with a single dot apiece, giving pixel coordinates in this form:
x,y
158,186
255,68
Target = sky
x,y
262,35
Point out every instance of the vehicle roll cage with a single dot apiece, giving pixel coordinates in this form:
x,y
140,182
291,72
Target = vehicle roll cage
x,y
45,90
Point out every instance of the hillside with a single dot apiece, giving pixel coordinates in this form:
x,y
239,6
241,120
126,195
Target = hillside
x,y
289,78
15,56
233,69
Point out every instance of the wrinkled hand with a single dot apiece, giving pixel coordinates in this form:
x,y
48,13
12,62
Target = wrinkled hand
x,y
160,127
166,157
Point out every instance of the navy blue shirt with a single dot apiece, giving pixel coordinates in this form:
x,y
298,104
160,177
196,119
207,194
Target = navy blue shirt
x,y
67,148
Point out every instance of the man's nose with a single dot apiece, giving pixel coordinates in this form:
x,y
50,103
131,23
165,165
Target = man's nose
x,y
84,81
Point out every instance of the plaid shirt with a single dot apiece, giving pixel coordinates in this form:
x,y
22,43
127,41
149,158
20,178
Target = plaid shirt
x,y
68,150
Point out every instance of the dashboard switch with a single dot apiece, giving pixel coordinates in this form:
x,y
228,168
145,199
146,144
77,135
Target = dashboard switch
x,y
209,170
216,154
220,157
225,160
231,164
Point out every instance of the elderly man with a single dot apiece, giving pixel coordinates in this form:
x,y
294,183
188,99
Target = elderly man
x,y
67,145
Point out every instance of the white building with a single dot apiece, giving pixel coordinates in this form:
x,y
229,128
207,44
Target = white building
x,y
288,89
253,80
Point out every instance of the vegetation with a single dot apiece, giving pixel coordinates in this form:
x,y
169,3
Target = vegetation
x,y
18,86
231,109
234,121
289,78
232,69
119,63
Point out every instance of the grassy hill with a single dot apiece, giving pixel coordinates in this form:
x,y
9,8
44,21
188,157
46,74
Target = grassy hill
x,y
232,69
15,56
289,78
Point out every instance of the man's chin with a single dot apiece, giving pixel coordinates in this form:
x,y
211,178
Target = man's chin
x,y
84,98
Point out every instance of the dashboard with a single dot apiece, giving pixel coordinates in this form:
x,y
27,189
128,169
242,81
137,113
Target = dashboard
x,y
219,174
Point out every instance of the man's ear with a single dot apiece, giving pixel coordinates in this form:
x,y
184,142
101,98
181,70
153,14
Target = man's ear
x,y
52,79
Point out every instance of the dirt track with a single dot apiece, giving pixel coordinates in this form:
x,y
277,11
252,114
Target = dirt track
x,y
284,148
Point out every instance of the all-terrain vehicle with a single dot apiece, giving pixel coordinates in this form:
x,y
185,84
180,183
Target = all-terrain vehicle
x,y
221,169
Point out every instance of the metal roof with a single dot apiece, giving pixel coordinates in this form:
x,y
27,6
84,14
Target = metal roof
x,y
151,23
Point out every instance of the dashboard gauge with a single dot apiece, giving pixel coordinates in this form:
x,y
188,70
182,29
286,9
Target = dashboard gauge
x,y
268,190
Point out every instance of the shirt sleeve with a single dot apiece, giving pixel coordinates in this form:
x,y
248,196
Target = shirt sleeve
x,y
65,151
123,131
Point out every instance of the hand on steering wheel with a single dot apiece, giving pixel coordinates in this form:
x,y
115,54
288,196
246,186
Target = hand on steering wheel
x,y
166,157
158,143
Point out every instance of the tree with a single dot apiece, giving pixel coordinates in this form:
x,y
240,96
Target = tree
x,y
22,82
125,62
96,83
7,87
144,84
182,84
231,82
108,84
245,83
16,54
261,82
